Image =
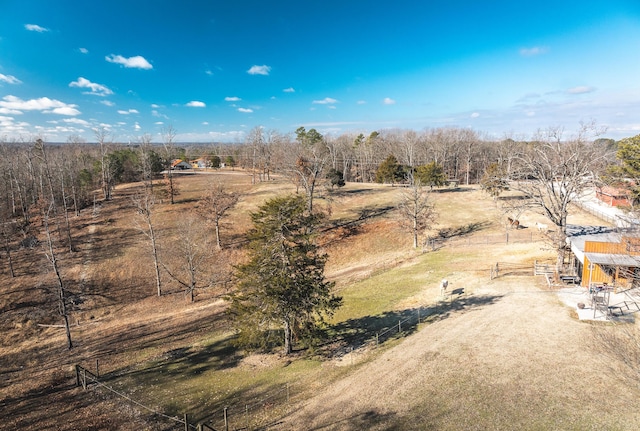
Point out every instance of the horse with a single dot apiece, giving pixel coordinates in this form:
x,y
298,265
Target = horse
x,y
542,227
513,223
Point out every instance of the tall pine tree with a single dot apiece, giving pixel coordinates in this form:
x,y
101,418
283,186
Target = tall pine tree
x,y
282,294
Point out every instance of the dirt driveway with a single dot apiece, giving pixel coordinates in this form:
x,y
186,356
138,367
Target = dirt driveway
x,y
512,357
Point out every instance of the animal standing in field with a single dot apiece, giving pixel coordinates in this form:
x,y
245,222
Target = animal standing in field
x,y
542,227
513,223
443,286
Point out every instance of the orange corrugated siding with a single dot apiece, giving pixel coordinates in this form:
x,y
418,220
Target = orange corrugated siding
x,y
598,275
605,247
628,245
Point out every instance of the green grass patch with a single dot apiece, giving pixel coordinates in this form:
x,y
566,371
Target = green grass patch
x,y
383,291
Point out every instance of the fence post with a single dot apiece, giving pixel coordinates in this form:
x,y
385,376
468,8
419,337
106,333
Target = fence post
x,y
77,375
226,419
418,315
399,326
84,379
186,422
377,340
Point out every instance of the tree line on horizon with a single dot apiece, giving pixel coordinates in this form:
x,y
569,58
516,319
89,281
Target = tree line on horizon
x,y
45,185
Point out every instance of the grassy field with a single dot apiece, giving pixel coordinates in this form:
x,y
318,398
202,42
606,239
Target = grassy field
x,y
176,357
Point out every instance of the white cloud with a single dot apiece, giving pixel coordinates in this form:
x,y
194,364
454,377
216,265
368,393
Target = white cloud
x,y
137,62
155,106
130,111
76,121
475,115
9,125
581,90
245,110
259,70
325,101
107,103
289,90
35,27
158,123
83,50
209,72
533,51
196,104
63,110
96,89
7,111
44,104
9,79
5,120
137,126
389,101
361,102
232,99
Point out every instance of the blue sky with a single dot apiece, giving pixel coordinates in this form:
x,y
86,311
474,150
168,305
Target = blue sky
x,y
213,70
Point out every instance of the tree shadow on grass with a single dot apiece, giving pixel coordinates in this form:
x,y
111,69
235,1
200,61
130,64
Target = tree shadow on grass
x,y
341,229
356,333
187,362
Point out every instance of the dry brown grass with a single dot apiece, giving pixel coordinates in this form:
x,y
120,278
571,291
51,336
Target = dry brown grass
x,y
476,367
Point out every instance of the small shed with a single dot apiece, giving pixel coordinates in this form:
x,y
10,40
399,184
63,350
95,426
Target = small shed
x,y
606,257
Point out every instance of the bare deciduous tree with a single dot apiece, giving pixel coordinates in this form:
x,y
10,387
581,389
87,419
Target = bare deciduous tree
x,y
215,205
144,202
106,181
191,251
52,257
168,136
554,172
416,211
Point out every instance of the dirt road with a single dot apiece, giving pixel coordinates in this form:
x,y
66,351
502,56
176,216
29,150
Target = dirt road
x,y
511,358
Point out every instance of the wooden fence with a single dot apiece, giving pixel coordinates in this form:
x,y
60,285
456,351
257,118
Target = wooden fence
x,y
507,268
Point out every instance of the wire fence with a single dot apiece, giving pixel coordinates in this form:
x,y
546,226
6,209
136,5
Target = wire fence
x,y
616,220
255,414
509,237
86,379
259,412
